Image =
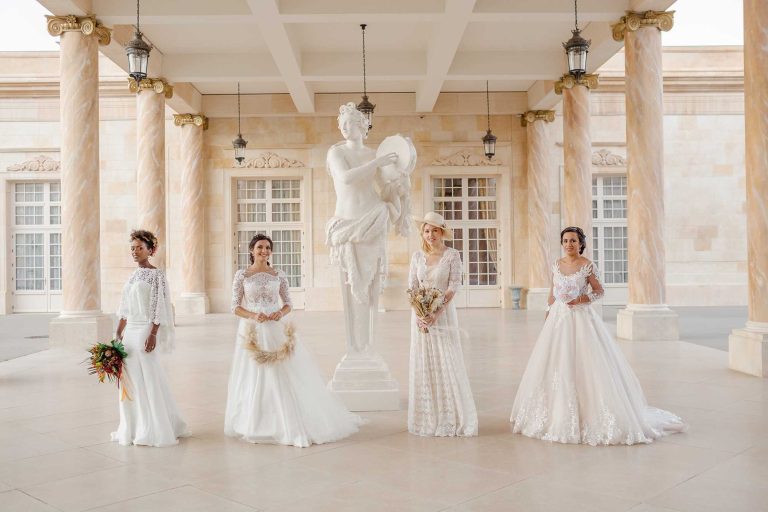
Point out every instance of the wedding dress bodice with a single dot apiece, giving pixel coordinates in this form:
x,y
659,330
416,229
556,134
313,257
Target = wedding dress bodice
x,y
260,292
566,287
144,297
445,274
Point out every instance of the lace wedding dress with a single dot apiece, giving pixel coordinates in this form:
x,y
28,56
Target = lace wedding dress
x,y
578,387
285,402
150,416
439,396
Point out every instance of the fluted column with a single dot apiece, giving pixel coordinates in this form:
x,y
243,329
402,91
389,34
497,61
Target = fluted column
x,y
193,300
577,150
81,320
646,316
748,346
540,173
150,161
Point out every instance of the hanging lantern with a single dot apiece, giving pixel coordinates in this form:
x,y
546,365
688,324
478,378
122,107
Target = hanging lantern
x,y
576,48
489,141
137,51
365,106
239,143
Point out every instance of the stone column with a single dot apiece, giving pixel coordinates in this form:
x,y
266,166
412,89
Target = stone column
x,y
540,173
193,300
748,346
81,320
150,162
646,316
577,149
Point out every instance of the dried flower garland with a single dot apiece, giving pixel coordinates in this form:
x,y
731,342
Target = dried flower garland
x,y
262,356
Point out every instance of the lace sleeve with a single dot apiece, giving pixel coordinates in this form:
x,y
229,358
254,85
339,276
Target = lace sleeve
x,y
237,290
122,309
284,295
158,298
413,276
454,276
595,283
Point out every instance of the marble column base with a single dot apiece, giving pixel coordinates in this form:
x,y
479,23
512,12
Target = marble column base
x,y
647,322
536,299
79,331
748,349
192,304
365,384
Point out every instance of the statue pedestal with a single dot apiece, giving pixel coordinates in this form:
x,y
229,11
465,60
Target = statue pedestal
x,y
364,384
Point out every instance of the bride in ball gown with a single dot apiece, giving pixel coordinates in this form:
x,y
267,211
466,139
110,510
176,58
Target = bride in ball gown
x,y
577,386
280,398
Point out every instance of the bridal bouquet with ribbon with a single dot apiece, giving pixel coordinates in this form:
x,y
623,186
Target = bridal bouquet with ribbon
x,y
106,362
425,301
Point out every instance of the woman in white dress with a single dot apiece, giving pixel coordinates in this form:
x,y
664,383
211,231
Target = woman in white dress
x,y
276,393
578,387
440,399
149,415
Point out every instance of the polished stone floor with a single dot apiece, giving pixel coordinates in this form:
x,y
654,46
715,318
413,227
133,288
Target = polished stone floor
x,y
55,422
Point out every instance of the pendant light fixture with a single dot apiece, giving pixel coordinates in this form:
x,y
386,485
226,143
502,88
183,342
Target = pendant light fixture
x,y
239,143
489,141
365,106
576,48
137,51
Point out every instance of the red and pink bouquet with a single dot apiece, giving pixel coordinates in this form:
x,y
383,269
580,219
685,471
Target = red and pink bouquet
x,y
107,363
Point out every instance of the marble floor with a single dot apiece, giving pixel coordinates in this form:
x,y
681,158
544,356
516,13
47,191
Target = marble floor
x,y
55,422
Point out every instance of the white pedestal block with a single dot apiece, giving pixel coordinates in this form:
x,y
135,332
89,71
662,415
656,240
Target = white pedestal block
x,y
647,322
192,304
78,332
365,384
536,300
748,349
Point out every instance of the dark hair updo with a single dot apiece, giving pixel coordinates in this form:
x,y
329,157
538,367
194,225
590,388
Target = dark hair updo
x,y
142,235
579,233
253,243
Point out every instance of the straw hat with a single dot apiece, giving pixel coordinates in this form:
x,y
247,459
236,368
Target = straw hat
x,y
437,220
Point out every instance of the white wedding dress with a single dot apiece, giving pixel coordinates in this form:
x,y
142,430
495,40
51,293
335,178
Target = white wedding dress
x,y
286,402
440,399
578,387
150,416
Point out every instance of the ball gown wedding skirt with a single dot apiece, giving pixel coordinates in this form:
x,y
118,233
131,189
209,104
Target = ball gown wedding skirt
x,y
150,416
440,399
285,402
578,387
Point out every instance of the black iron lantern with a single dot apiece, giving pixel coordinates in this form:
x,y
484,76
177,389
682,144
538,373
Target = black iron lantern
x,y
489,141
576,48
137,51
239,143
365,106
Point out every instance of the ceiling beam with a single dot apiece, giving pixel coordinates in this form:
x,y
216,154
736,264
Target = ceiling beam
x,y
442,47
284,52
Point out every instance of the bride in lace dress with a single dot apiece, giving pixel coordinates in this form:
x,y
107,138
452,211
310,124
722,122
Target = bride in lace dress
x,y
440,400
149,416
578,387
281,398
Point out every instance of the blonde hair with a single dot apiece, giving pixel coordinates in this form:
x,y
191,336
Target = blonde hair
x,y
425,247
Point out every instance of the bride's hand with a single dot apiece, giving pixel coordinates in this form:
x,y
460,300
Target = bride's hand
x,y
277,315
260,317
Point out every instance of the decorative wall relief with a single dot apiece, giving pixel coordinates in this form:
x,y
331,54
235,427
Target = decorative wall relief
x,y
465,158
39,163
271,160
604,158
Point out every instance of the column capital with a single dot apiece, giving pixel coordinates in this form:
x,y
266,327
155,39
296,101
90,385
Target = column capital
x,y
530,116
157,85
633,21
569,81
86,24
194,119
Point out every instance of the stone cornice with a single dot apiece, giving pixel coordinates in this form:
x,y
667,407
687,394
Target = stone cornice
x,y
604,158
194,119
39,163
633,21
569,81
157,85
464,158
88,25
270,160
531,116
